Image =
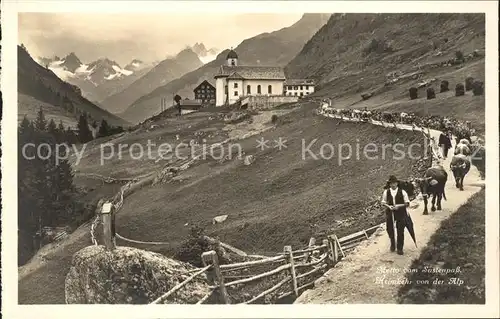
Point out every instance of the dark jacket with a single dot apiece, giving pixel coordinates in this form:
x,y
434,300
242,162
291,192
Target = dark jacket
x,y
444,140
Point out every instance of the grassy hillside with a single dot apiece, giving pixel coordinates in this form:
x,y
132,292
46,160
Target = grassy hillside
x,y
356,53
395,98
161,74
376,44
275,48
279,199
275,199
29,106
43,85
459,242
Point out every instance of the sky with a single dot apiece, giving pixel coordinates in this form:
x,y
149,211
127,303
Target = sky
x,y
148,37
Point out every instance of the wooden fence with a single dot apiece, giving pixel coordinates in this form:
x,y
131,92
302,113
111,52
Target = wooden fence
x,y
270,279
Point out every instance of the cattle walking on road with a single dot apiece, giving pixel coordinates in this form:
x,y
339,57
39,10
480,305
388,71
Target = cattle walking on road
x,y
460,166
462,149
433,184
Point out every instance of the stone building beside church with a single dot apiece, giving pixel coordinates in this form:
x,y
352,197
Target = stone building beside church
x,y
234,82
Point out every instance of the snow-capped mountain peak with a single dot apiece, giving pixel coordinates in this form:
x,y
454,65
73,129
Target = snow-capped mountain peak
x,y
71,62
97,72
204,54
134,65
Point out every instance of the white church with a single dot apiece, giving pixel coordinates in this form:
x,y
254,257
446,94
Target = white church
x,y
234,81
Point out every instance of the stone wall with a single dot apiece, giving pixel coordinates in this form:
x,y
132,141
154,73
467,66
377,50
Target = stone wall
x,y
267,101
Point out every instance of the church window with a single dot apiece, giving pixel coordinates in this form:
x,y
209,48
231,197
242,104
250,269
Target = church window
x,y
258,89
249,90
269,89
235,85
233,63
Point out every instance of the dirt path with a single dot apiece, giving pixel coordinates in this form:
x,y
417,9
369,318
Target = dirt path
x,y
358,277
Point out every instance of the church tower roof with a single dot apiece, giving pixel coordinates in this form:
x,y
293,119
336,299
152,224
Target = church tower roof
x,y
232,55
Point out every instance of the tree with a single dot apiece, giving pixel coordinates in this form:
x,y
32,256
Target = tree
x,y
60,133
52,128
104,129
84,133
25,128
45,186
69,136
177,99
40,121
459,55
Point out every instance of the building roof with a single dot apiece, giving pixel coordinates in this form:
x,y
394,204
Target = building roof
x,y
299,82
252,72
236,76
232,55
205,82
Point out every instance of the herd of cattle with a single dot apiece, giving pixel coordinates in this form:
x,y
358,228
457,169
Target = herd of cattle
x,y
366,115
433,183
458,128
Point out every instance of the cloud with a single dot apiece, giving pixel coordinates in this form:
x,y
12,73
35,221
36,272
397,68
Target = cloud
x,y
122,37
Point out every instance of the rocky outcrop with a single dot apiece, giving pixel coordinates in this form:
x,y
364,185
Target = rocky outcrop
x,y
129,276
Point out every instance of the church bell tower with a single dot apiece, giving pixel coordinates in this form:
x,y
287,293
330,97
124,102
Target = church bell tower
x,y
232,58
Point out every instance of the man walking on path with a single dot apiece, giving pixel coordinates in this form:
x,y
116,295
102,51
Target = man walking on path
x,y
396,200
445,143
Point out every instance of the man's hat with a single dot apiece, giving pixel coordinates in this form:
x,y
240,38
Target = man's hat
x,y
392,179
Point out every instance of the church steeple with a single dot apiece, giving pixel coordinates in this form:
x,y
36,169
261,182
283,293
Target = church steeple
x,y
232,58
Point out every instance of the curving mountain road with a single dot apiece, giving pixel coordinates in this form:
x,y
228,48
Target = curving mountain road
x,y
373,274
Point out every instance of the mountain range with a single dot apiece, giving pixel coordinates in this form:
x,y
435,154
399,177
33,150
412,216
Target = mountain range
x,y
164,72
272,49
103,81
97,79
39,83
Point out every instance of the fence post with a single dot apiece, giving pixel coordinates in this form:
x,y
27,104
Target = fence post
x,y
288,252
333,248
338,245
210,258
108,225
312,242
329,259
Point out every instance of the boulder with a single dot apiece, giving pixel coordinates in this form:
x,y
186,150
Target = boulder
x,y
249,159
366,96
129,276
219,219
